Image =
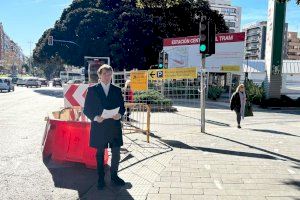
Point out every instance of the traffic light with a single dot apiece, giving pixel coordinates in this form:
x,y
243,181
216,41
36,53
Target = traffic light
x,y
50,40
161,60
207,37
166,60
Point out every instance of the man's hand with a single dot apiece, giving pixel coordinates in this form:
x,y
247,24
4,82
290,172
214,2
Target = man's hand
x,y
99,119
117,116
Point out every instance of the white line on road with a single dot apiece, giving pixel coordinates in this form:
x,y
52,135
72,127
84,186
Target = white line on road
x,y
218,184
207,167
291,171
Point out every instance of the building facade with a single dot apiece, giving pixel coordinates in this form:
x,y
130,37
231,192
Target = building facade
x,y
1,43
232,14
255,45
11,55
293,46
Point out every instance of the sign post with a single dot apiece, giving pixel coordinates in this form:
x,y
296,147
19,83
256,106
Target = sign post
x,y
202,95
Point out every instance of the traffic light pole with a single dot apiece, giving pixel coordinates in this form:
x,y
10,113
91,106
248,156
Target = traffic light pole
x,y
202,95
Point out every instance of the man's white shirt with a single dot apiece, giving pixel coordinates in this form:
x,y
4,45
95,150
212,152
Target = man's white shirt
x,y
106,90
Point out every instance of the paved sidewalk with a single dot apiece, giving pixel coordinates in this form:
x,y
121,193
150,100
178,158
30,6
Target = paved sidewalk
x,y
259,161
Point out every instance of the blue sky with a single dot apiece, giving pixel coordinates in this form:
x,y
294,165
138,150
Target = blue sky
x,y
256,10
26,20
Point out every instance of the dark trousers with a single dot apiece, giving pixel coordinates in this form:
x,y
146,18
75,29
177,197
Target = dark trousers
x,y
115,159
238,116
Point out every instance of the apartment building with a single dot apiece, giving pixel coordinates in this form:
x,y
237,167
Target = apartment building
x,y
232,14
255,44
293,46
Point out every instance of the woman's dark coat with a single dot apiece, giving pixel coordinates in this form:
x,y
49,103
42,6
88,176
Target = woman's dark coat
x,y
109,131
235,102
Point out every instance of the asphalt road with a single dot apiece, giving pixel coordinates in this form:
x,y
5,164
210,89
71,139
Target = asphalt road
x,y
23,174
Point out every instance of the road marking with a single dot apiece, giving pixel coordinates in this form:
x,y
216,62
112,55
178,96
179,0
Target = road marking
x,y
291,171
207,167
218,184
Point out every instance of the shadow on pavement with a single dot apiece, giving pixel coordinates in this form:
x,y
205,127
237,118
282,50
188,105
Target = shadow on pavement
x,y
274,132
217,123
288,111
257,148
75,176
295,184
178,144
52,93
208,121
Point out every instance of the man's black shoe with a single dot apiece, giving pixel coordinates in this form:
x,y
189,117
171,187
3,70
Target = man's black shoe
x,y
101,184
117,180
239,126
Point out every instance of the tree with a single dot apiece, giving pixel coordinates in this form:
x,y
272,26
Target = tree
x,y
282,1
130,32
50,68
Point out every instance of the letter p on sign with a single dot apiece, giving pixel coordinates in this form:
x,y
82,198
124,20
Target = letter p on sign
x,y
160,74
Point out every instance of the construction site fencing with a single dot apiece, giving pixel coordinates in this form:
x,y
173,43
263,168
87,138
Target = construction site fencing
x,y
172,102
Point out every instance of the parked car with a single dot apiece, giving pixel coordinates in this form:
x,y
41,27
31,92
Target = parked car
x,y
33,82
6,84
15,80
57,81
76,81
21,81
44,82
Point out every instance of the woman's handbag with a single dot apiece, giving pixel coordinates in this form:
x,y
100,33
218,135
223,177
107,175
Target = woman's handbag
x,y
248,110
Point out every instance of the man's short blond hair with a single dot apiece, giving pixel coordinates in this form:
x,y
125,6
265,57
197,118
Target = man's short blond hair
x,y
104,67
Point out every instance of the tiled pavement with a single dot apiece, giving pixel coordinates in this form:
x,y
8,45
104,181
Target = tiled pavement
x,y
260,161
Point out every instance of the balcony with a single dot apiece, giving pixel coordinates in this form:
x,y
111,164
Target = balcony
x,y
252,48
294,51
253,41
253,33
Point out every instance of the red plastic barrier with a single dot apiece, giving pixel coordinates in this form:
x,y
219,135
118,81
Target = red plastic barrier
x,y
69,141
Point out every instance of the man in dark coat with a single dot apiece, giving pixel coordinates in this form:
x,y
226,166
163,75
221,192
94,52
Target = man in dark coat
x,y
105,132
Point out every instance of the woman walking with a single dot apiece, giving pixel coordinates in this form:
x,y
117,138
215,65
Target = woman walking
x,y
238,102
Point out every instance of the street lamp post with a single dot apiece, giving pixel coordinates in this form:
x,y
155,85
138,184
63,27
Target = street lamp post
x,y
246,73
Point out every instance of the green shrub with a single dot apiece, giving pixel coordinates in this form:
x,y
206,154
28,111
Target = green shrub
x,y
255,93
214,92
152,97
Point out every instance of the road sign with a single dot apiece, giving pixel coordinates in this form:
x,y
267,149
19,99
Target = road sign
x,y
155,74
74,94
139,80
174,73
230,68
181,73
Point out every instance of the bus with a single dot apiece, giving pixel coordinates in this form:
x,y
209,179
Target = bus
x,y
65,76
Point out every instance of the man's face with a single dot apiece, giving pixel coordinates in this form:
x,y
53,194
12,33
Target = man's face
x,y
106,76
